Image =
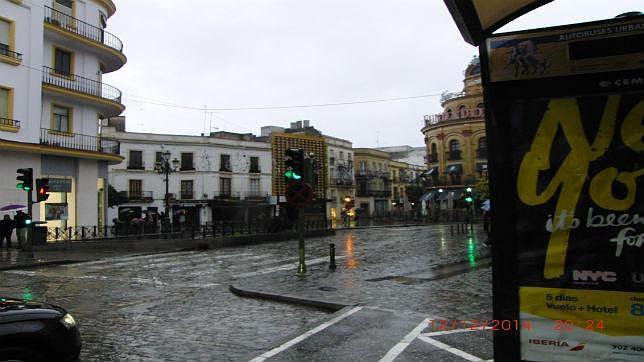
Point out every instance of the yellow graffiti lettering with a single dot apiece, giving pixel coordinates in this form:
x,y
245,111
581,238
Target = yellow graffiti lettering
x,y
601,188
632,128
571,175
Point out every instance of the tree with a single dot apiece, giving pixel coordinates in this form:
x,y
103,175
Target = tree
x,y
115,198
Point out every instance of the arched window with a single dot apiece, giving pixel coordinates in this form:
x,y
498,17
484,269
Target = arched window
x,y
448,113
434,151
454,145
433,155
462,112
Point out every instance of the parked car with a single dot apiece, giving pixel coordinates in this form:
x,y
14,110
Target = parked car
x,y
37,332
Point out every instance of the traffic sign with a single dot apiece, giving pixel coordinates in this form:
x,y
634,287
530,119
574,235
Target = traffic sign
x,y
298,194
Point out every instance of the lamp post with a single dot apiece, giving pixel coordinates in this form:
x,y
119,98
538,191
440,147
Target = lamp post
x,y
165,167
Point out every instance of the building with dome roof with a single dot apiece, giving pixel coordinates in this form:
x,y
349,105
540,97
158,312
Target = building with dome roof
x,y
455,140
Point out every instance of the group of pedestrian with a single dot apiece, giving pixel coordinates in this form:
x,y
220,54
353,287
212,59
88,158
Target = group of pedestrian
x,y
7,226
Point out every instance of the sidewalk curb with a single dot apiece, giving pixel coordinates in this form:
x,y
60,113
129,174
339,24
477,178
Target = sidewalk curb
x,y
290,299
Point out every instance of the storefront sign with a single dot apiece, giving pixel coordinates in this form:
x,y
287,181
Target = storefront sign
x,y
60,185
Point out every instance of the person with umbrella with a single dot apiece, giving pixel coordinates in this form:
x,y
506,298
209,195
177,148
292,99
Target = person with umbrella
x,y
6,229
486,221
21,227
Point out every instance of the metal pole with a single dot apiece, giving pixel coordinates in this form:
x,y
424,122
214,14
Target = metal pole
x,y
301,267
28,242
167,189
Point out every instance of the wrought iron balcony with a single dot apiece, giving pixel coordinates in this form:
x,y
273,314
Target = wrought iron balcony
x,y
9,122
187,195
142,196
80,84
461,115
79,27
136,165
454,155
254,170
4,50
75,141
481,153
341,181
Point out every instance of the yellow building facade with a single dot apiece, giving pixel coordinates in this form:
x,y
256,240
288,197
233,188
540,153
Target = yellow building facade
x,y
455,139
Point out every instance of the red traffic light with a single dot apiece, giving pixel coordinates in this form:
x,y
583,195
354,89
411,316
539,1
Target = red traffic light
x,y
42,189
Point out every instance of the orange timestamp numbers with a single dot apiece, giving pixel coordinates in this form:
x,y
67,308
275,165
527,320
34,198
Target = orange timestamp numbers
x,y
478,324
570,325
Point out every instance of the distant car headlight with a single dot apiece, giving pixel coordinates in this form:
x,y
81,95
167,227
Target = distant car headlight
x,y
68,321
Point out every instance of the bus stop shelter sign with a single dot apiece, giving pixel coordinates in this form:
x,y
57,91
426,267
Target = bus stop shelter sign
x,y
565,113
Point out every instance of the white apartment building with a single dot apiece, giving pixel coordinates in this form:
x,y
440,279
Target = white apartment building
x,y
341,183
53,54
221,176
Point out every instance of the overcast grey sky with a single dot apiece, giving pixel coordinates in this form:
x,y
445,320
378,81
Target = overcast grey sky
x,y
254,53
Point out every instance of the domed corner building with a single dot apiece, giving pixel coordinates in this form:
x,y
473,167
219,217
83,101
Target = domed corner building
x,y
455,141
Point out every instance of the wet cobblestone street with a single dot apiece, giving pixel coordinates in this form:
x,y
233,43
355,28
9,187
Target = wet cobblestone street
x,y
177,306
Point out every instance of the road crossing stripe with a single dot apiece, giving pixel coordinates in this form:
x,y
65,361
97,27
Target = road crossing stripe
x,y
440,333
285,267
137,257
450,349
304,336
138,260
398,348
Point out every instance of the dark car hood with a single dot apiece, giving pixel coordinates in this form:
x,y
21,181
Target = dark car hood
x,y
8,305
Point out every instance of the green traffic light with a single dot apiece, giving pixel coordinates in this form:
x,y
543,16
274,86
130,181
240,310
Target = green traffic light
x,y
26,188
469,199
292,175
20,186
28,222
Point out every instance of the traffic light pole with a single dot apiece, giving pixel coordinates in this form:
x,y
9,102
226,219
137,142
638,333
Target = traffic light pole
x,y
30,228
301,267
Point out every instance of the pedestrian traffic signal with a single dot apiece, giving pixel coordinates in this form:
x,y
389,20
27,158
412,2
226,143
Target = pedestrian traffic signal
x,y
468,195
294,163
26,178
42,189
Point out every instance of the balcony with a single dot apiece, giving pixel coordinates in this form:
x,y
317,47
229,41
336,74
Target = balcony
x,y
8,124
75,141
136,165
341,181
432,157
373,193
463,115
107,98
187,167
9,56
140,196
187,195
481,153
254,170
453,155
111,47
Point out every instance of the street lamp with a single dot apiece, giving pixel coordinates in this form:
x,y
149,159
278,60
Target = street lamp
x,y
164,166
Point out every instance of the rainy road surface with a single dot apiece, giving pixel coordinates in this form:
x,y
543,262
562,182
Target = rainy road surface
x,y
176,306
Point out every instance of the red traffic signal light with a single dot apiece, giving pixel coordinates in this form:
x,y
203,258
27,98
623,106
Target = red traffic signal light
x,y
42,189
26,178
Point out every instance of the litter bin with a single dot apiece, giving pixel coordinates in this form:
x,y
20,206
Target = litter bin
x,y
39,235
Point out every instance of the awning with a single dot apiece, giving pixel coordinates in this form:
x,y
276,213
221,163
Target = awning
x,y
431,172
427,196
477,19
454,169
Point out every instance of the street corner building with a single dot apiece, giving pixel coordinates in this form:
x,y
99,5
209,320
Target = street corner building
x,y
456,140
52,102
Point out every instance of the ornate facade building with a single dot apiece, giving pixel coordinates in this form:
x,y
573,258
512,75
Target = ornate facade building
x,y
455,139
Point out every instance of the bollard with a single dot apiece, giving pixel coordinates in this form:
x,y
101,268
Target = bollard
x,y
332,265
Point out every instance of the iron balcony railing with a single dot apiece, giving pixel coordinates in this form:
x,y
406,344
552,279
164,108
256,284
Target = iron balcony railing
x,y
341,181
136,165
9,122
146,196
75,141
10,53
461,115
481,153
238,195
82,28
80,84
454,155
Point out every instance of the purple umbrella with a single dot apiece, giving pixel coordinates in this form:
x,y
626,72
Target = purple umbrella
x,y
13,207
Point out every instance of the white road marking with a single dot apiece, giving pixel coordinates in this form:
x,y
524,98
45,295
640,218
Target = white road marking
x,y
286,267
440,333
449,349
114,260
304,336
139,260
398,348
